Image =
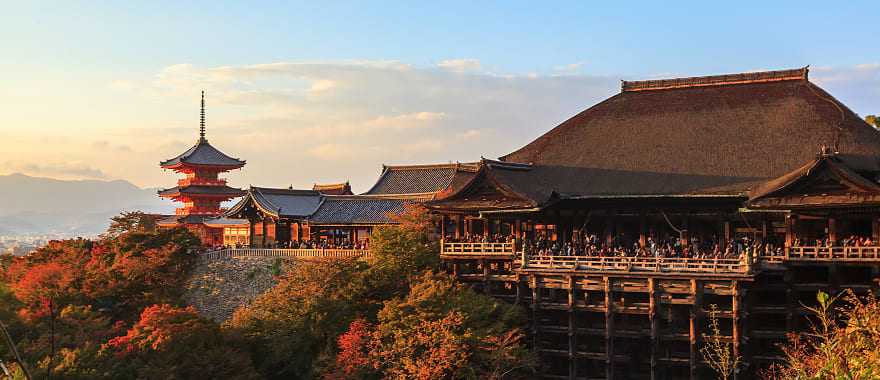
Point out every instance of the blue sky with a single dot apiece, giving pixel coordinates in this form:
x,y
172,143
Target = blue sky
x,y
98,79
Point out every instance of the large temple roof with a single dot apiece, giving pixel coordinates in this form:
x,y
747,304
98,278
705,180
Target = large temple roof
x,y
203,154
421,181
356,210
718,135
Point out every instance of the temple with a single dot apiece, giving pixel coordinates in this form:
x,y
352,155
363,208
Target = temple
x,y
625,226
624,230
202,190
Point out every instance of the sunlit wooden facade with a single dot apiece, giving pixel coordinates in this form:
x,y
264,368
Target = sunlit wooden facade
x,y
620,228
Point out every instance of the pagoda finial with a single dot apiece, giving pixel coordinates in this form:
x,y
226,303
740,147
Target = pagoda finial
x,y
202,120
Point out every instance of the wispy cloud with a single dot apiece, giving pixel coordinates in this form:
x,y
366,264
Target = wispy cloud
x,y
306,122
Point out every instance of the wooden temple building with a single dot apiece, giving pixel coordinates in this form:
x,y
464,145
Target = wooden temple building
x,y
202,190
331,214
623,226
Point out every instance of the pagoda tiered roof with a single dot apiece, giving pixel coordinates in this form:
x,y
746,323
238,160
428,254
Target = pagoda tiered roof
x,y
203,154
202,190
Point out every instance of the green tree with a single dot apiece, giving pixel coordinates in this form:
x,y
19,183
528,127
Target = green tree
x,y
132,221
716,351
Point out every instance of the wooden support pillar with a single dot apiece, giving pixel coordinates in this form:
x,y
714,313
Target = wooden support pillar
x,y
790,304
643,230
252,231
609,331
610,224
533,284
459,226
265,226
736,334
875,230
685,234
764,234
517,229
833,279
832,230
652,317
790,221
572,329
695,319
442,226
728,234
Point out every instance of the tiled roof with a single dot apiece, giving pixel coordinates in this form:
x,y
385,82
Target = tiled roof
x,y
280,202
333,188
202,190
719,135
420,179
356,210
175,220
203,154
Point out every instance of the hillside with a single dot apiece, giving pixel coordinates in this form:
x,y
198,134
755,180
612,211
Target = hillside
x,y
37,206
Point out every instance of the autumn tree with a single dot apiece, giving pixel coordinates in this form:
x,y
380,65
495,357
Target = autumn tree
x,y
169,342
440,330
873,121
290,328
843,343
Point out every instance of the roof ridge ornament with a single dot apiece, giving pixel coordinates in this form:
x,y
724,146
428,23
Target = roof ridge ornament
x,y
202,119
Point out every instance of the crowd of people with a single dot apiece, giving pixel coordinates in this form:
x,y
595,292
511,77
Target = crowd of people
x,y
313,244
850,241
591,245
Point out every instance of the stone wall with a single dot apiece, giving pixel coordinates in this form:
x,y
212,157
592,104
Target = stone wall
x,y
217,287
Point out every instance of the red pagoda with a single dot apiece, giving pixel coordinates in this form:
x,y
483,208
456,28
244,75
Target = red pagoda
x,y
202,191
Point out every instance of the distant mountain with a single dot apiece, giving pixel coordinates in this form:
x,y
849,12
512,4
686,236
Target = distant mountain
x,y
39,206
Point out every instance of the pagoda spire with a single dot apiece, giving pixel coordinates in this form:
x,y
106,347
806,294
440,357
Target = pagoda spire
x,y
202,120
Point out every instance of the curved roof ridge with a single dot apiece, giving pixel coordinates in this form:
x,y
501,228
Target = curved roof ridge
x,y
716,80
203,153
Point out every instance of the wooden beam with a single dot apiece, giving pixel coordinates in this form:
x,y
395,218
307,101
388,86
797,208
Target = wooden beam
x,y
652,317
735,310
609,330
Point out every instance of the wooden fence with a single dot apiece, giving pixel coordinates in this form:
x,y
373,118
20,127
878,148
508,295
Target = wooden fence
x,y
504,249
293,253
639,264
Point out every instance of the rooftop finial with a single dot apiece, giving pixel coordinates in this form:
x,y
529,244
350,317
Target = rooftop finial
x,y
202,120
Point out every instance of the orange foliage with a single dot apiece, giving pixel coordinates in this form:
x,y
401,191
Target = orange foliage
x,y
157,326
41,285
414,218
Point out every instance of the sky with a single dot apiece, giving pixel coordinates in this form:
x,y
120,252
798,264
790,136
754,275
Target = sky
x,y
329,91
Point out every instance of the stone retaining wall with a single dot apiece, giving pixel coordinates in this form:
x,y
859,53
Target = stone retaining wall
x,y
217,287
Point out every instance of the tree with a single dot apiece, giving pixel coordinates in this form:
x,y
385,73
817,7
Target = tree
x,y
175,343
843,343
717,352
132,221
873,121
440,330
291,329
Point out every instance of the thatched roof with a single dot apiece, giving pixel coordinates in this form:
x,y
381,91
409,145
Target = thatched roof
x,y
720,135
